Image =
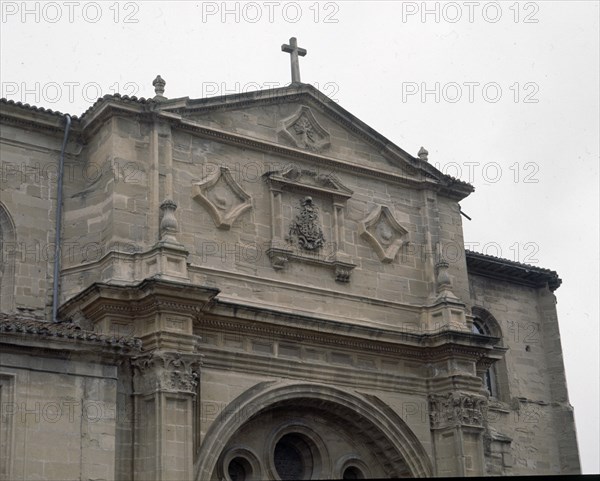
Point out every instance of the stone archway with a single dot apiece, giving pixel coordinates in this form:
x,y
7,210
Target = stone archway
x,y
7,260
297,417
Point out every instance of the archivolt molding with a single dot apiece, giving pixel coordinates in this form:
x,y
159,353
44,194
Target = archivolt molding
x,y
383,424
7,259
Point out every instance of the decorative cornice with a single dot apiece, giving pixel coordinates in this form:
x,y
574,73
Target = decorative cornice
x,y
510,271
309,181
425,347
142,298
15,324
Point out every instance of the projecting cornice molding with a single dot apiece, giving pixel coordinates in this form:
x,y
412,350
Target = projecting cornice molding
x,y
510,271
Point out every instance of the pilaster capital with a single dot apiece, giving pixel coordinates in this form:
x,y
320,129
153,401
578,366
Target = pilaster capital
x,y
162,371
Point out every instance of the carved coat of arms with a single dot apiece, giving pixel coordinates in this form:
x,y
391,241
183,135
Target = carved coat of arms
x,y
306,226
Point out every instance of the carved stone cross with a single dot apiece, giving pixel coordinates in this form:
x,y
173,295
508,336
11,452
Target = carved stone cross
x,y
294,52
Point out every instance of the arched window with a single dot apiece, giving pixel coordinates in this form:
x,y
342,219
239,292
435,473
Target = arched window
x,y
7,260
494,378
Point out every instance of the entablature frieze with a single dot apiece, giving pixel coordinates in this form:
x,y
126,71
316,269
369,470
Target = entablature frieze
x,y
408,345
388,379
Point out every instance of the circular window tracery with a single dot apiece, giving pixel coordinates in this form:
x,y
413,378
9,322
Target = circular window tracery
x,y
295,451
352,472
293,457
239,469
240,464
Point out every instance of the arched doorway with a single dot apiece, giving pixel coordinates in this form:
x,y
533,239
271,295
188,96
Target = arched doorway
x,y
279,430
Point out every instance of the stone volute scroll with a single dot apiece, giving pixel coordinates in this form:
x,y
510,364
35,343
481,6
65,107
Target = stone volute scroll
x,y
223,197
303,239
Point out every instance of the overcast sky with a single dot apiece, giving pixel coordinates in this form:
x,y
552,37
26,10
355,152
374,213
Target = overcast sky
x,y
504,95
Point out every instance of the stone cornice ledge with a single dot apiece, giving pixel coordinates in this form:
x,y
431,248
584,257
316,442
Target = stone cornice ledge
x,y
284,325
457,191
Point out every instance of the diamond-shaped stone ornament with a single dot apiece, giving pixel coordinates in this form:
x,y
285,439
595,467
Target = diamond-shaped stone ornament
x,y
383,232
223,197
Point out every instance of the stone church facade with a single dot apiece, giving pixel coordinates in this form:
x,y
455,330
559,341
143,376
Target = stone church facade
x,y
259,286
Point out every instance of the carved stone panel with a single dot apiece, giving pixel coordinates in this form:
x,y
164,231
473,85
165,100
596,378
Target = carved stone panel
x,y
223,197
303,237
304,131
383,232
456,409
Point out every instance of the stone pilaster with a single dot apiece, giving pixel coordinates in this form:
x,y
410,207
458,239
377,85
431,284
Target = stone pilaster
x,y
457,425
165,385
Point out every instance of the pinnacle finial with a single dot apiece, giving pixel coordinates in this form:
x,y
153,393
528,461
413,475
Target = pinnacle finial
x,y
159,88
423,154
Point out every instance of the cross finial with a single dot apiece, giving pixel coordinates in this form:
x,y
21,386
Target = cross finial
x,y
294,52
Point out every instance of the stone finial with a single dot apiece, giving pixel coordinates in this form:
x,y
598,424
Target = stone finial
x,y
168,223
159,88
423,154
443,278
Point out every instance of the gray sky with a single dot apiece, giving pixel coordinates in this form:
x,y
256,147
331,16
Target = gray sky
x,y
504,95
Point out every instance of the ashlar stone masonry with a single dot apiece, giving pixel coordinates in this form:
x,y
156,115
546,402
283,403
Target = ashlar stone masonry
x,y
260,286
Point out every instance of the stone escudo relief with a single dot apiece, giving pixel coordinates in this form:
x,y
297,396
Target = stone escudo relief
x,y
306,229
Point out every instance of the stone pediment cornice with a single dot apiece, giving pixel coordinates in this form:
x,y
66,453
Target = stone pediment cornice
x,y
456,190
175,110
310,181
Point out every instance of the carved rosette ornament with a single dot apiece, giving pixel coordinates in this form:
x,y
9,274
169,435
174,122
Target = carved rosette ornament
x,y
456,409
306,228
166,372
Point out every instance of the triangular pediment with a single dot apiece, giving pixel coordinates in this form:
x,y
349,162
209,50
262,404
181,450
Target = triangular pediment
x,y
303,119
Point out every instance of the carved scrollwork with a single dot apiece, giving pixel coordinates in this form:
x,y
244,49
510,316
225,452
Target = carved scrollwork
x,y
166,371
456,409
